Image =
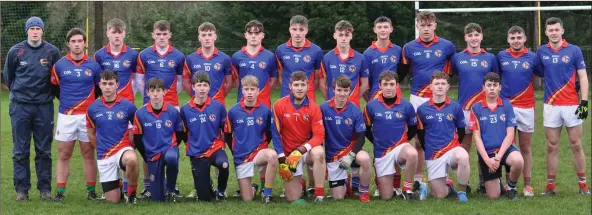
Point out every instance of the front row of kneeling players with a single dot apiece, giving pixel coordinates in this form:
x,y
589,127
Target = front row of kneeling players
x,y
298,128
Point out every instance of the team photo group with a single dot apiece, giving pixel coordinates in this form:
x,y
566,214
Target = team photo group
x,y
294,135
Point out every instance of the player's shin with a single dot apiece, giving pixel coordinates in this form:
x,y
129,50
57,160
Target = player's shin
x,y
90,165
319,169
130,161
270,172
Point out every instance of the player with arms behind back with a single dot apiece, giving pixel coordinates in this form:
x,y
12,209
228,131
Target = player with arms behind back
x,y
518,65
247,133
493,122
562,63
298,131
440,127
344,138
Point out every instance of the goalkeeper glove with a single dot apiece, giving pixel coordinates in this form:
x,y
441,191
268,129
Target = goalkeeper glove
x,y
582,110
347,160
293,159
284,172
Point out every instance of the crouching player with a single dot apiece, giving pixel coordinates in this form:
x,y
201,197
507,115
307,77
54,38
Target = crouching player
x,y
390,124
157,129
344,138
249,122
440,127
298,131
493,123
203,120
107,121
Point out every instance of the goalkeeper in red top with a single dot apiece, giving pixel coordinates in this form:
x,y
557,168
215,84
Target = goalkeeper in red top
x,y
298,132
345,127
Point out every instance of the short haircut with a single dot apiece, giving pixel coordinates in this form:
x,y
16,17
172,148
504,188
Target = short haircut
x,y
200,77
109,75
388,75
116,24
516,30
206,26
155,83
553,21
162,25
344,25
426,16
74,32
382,19
254,24
342,81
471,27
299,19
440,75
250,80
491,76
298,76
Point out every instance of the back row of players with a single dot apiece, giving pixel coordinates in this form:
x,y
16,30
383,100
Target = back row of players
x,y
390,122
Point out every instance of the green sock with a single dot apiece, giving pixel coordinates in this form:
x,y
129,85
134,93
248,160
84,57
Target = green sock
x,y
90,188
61,190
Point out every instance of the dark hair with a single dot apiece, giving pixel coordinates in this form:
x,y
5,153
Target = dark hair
x,y
298,76
388,75
492,77
162,25
427,16
155,83
116,24
74,32
109,75
473,27
200,77
553,20
254,23
299,19
342,81
382,19
440,75
516,30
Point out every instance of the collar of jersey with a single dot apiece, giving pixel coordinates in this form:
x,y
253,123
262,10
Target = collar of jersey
x,y
374,46
242,104
117,100
434,40
517,54
168,50
244,49
69,58
474,54
305,102
306,44
484,102
446,102
381,100
332,104
194,106
200,52
123,49
151,110
563,45
351,53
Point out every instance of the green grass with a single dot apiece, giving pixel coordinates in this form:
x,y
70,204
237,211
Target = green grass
x,y
566,202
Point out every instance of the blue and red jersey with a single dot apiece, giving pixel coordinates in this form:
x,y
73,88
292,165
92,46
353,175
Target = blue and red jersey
x,y
249,128
124,64
296,125
291,59
389,123
471,68
217,66
380,60
517,70
341,128
157,130
425,59
77,82
111,122
203,126
560,68
166,67
492,123
262,65
440,124
354,66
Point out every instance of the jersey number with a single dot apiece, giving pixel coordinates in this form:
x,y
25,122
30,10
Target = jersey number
x,y
207,68
161,64
555,60
252,66
383,60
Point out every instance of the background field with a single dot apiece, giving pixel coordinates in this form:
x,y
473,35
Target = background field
x,y
566,202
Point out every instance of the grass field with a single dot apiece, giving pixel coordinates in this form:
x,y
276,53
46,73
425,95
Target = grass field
x,y
566,202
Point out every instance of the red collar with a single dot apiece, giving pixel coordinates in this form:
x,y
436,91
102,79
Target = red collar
x,y
244,49
374,46
193,105
332,104
168,50
351,53
517,54
563,45
306,44
123,49
69,57
434,40
474,54
484,102
381,100
200,52
446,102
151,110
117,100
242,104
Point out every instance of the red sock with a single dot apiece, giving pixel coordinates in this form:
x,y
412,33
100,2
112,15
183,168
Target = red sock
x,y
550,179
319,191
408,185
120,183
61,184
131,189
303,183
581,177
397,181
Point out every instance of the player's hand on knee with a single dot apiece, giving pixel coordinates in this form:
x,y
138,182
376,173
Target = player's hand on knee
x,y
347,160
293,159
285,172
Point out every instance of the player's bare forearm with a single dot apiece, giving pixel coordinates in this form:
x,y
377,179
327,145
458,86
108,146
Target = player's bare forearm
x,y
506,142
584,85
187,86
92,138
323,87
316,74
479,144
273,82
227,85
363,86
